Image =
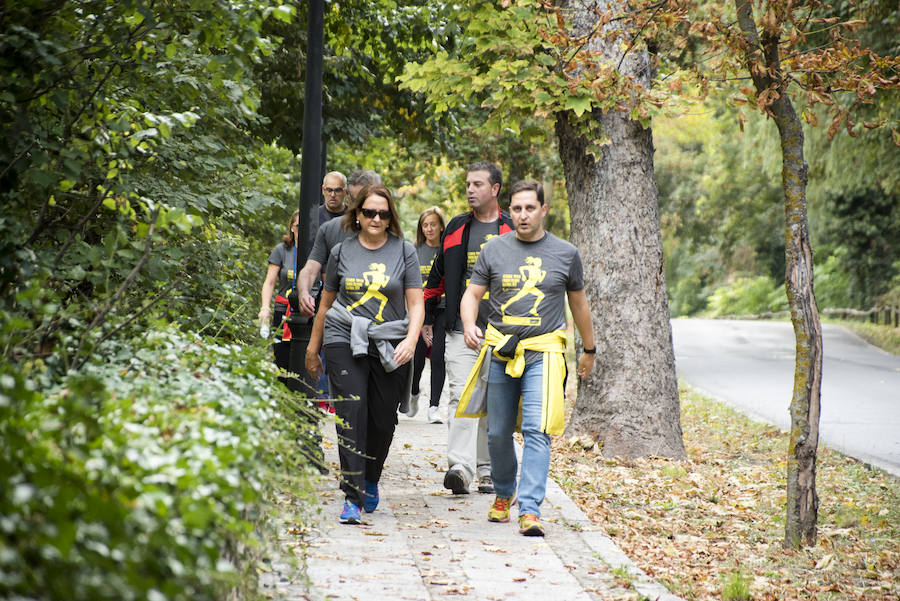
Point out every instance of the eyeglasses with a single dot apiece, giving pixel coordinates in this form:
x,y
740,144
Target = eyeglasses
x,y
334,190
371,213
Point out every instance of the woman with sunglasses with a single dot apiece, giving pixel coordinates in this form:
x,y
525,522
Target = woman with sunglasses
x,y
368,322
431,343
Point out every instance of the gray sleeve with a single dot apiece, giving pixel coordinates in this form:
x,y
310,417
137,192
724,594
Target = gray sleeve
x,y
319,252
481,271
276,257
412,276
576,274
332,278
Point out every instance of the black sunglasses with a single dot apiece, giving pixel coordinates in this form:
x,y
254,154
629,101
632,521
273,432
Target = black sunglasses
x,y
370,214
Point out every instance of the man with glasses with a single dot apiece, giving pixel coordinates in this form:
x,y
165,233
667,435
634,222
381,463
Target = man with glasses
x,y
328,234
334,191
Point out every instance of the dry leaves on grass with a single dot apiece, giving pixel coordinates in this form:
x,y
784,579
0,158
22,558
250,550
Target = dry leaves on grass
x,y
694,525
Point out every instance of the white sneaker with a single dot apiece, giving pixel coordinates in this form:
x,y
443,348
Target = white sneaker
x,y
434,415
413,405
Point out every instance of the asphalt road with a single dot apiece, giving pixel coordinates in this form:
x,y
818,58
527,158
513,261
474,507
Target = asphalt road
x,y
750,365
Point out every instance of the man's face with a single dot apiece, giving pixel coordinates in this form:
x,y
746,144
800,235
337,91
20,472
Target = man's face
x,y
479,191
354,190
334,192
527,214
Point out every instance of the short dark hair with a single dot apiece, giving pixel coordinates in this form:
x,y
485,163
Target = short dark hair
x,y
496,176
527,184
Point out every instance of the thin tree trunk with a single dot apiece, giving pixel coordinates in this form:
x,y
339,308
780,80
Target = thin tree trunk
x,y
802,500
630,403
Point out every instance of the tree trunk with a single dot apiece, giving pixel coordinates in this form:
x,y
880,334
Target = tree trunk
x,y
630,402
802,501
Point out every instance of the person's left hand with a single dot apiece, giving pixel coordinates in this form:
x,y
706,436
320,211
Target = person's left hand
x,y
404,351
313,363
585,364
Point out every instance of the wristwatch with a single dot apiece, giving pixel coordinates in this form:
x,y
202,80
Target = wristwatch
x,y
590,351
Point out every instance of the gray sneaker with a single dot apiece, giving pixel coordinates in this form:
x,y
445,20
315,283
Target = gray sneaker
x,y
455,480
413,406
486,484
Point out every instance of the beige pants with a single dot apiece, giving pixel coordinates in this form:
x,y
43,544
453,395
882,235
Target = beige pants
x,y
467,448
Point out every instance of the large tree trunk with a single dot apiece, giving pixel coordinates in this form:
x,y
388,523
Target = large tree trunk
x,y
802,501
630,403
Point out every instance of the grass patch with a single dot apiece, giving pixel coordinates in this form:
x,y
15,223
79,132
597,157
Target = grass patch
x,y
689,524
736,587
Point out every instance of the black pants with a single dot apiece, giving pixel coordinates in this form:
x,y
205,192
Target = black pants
x,y
366,400
310,450
438,369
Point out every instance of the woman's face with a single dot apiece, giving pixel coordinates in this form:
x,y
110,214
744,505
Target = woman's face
x,y
295,225
377,224
431,227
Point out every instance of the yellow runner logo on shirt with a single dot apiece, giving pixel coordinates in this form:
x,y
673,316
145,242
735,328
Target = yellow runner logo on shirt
x,y
375,279
526,281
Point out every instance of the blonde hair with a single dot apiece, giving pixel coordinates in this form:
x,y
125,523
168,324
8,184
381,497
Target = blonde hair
x,y
420,235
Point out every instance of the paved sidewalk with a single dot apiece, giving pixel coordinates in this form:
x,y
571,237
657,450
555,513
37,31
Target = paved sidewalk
x,y
425,543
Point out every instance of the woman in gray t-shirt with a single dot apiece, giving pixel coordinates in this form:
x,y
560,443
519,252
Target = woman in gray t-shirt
x,y
368,320
278,282
429,232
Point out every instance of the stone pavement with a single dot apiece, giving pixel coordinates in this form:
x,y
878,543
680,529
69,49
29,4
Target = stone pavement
x,y
425,543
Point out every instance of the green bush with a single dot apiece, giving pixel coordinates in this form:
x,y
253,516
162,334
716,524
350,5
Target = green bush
x,y
746,296
146,474
832,284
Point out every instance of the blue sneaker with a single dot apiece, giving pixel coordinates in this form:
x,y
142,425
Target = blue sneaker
x,y
371,502
350,514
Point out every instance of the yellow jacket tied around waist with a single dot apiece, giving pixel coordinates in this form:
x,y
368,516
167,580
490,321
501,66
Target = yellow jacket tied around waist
x,y
553,345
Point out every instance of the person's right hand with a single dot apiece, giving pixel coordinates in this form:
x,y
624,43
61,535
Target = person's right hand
x,y
473,336
307,305
264,314
428,335
313,363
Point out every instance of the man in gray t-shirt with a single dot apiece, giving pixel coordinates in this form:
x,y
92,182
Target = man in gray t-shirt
x,y
529,275
527,283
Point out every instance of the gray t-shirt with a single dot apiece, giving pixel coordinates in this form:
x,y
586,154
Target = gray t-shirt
x,y
285,259
426,256
479,234
329,234
370,283
527,282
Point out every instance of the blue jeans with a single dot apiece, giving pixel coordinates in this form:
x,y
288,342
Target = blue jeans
x,y
503,409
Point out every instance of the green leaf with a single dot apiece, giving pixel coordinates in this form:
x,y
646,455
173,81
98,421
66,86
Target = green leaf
x,y
578,104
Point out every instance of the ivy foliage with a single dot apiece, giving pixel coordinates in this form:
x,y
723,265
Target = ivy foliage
x,y
146,474
141,441
127,173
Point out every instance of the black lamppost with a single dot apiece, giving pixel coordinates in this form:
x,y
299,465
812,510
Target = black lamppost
x,y
310,170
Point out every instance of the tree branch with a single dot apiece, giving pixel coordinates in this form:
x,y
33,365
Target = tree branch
x,y
98,319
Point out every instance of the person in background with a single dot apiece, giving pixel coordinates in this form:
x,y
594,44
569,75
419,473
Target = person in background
x,y
429,231
278,283
467,447
334,193
280,277
519,376
368,323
